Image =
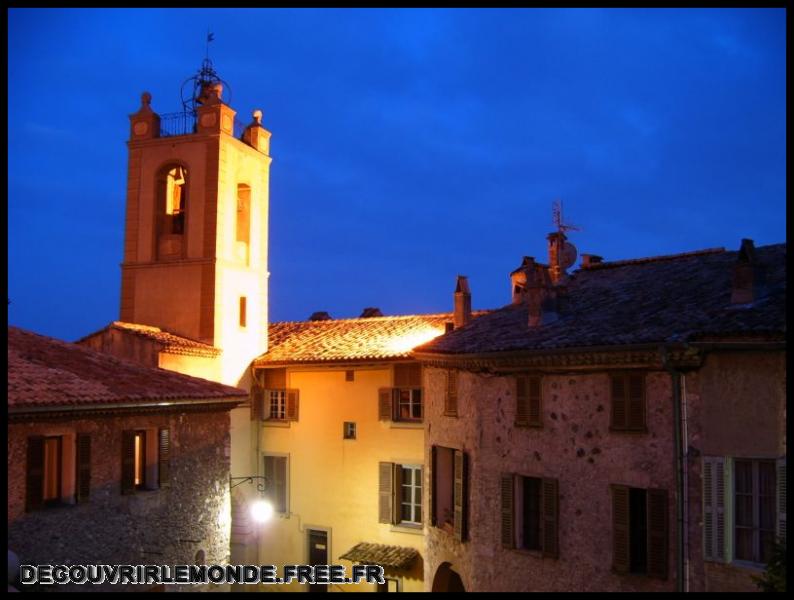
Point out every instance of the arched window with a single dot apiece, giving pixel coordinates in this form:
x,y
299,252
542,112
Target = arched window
x,y
172,200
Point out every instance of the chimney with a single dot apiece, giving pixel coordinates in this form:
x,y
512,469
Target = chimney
x,y
518,279
541,297
370,311
746,275
588,260
556,249
320,316
462,302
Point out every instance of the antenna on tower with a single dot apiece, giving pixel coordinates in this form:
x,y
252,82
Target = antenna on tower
x,y
556,214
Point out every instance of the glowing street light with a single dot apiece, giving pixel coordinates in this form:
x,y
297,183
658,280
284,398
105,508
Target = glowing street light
x,y
261,511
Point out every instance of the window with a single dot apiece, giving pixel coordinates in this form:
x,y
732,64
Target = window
x,y
277,400
754,509
451,397
530,515
275,472
173,190
528,401
400,494
449,503
403,402
58,470
389,585
242,235
242,311
628,402
350,375
754,493
146,459
349,430
639,531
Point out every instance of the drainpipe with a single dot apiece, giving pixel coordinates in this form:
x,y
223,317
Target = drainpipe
x,y
675,377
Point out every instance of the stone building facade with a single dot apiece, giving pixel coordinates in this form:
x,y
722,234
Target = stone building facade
x,y
568,433
110,462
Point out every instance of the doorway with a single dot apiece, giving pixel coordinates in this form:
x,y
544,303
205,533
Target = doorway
x,y
318,555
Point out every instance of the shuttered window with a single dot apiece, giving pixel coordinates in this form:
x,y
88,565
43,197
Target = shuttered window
x,y
406,396
281,404
528,401
275,472
449,491
530,514
399,494
451,397
755,509
640,531
83,464
714,508
386,492
628,402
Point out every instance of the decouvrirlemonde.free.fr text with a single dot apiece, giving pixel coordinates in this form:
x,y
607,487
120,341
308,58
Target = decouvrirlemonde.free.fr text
x,y
197,574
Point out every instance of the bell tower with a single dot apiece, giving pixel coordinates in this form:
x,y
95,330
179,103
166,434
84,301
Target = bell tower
x,y
196,236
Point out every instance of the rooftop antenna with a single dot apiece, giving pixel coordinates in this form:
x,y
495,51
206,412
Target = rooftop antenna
x,y
556,212
202,80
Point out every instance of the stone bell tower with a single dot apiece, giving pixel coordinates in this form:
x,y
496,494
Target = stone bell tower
x,y
196,237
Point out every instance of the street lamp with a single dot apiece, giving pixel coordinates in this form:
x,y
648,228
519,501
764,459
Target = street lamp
x,y
261,510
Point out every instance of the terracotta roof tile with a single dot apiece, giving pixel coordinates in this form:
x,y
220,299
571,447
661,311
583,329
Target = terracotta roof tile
x,y
45,372
397,557
643,301
374,338
171,343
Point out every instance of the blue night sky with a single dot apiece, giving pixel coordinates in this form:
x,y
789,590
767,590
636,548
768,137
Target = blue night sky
x,y
408,146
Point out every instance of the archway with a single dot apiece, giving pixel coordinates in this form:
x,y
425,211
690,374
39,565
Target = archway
x,y
447,580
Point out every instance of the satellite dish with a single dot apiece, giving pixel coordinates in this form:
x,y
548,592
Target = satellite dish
x,y
568,255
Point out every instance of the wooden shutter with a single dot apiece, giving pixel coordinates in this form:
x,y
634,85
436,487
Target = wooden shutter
x,y
451,398
522,401
619,408
128,462
34,493
460,492
385,492
657,533
293,397
620,528
397,506
508,514
431,489
714,508
257,402
549,514
533,401
83,462
781,500
385,409
164,457
636,403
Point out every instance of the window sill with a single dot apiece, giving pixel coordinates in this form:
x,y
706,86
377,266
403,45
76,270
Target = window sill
x,y
410,529
407,425
450,414
528,425
747,565
629,431
275,423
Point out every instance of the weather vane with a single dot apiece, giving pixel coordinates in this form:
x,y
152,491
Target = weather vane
x,y
556,211
205,79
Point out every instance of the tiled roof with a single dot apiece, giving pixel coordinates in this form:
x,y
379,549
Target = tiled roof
x,y
397,557
643,301
374,338
171,343
45,372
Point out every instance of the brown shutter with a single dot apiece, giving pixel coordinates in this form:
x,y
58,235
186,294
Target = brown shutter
x,y
385,492
508,514
164,457
636,402
619,407
397,506
431,489
275,379
293,397
385,404
657,533
257,402
534,418
83,462
128,462
550,518
522,401
451,399
460,492
34,497
620,528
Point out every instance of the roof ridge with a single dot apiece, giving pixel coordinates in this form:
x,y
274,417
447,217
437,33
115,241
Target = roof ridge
x,y
649,259
381,318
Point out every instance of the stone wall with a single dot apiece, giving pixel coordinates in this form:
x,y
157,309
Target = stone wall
x,y
577,448
164,526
